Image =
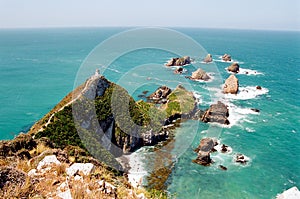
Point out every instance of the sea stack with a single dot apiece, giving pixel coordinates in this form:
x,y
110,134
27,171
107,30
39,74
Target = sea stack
x,y
231,85
208,58
179,61
199,74
235,68
226,57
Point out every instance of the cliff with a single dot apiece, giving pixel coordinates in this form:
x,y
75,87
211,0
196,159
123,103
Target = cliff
x,y
98,121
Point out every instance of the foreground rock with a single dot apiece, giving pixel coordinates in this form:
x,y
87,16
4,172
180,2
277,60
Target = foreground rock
x,y
235,68
179,61
231,85
226,57
199,74
292,193
208,58
216,113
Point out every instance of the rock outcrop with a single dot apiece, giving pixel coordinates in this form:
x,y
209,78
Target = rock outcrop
x,y
240,158
199,74
216,113
226,57
179,61
208,58
203,151
231,85
178,70
234,67
160,95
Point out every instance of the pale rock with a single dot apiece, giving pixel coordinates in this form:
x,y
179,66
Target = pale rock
x,y
65,195
85,168
32,173
292,193
47,161
110,189
78,178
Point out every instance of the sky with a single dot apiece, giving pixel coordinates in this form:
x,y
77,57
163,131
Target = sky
x,y
236,14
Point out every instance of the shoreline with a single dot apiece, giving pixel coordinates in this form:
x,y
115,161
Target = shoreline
x,y
134,168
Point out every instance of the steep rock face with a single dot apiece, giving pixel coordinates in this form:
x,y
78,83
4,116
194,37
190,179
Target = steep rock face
x,y
199,74
216,113
235,68
179,61
231,85
208,58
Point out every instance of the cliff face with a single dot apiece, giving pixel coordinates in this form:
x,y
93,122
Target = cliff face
x,y
103,118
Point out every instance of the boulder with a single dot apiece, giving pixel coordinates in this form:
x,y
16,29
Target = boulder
x,y
199,74
224,148
216,113
292,193
258,87
226,57
84,168
235,68
178,70
48,161
208,58
240,158
231,85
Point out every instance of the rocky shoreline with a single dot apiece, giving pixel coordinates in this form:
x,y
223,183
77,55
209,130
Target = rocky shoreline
x,y
116,134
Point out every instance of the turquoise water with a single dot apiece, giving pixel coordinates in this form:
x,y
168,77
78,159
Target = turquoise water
x,y
38,68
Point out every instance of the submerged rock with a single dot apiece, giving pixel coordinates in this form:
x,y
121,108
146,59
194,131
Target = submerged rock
x,y
226,57
216,113
235,68
208,58
222,167
231,85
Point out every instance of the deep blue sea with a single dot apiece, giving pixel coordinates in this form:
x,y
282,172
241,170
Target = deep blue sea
x,y
38,67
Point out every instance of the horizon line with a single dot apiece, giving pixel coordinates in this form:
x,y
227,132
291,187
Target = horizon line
x,y
127,26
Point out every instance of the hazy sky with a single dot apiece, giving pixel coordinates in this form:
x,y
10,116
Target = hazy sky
x,y
244,14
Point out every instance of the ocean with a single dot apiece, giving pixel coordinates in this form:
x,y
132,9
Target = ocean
x,y
38,67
